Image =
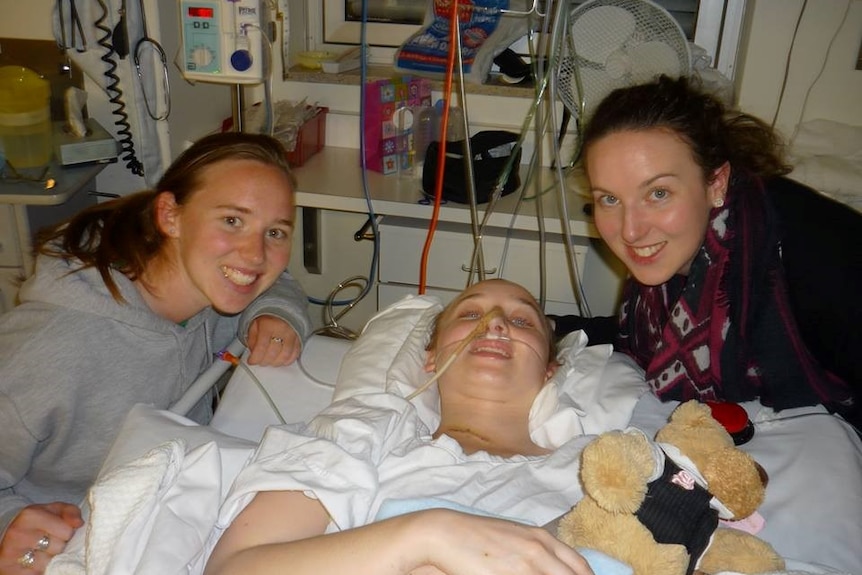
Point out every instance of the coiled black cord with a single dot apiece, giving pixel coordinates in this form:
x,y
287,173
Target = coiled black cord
x,y
115,96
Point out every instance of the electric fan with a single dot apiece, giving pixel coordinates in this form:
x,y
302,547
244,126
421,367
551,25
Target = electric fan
x,y
609,44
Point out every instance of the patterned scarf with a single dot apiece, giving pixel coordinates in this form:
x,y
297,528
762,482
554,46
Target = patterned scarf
x,y
726,331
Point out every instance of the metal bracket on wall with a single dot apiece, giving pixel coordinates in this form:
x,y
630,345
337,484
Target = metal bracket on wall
x,y
366,232
311,240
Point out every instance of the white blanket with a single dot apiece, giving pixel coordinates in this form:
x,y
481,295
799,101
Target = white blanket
x,y
152,509
377,452
153,513
146,496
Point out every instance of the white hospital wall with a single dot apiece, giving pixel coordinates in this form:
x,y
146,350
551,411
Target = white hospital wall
x,y
822,63
30,19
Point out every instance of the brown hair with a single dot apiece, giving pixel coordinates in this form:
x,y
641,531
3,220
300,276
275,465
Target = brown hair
x,y
714,134
123,234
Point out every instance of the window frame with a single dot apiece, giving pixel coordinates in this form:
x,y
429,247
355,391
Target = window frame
x,y
718,30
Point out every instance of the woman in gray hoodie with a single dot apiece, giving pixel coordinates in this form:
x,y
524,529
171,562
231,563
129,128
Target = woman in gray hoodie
x,y
130,301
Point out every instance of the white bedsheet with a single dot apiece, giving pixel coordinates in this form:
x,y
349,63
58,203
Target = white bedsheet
x,y
299,390
813,506
156,499
827,156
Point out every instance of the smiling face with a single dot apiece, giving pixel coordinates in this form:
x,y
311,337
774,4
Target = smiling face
x,y
652,202
230,241
514,347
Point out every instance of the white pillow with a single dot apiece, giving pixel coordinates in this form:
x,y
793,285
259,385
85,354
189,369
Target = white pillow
x,y
390,333
594,390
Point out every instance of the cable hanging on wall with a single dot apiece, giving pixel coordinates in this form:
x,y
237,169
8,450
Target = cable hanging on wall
x,y
115,95
537,117
542,115
332,327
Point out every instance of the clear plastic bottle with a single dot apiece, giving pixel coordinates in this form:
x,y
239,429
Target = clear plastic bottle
x,y
454,125
424,132
455,128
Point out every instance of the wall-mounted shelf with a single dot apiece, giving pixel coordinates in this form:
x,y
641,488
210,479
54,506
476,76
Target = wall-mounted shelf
x,y
494,87
332,180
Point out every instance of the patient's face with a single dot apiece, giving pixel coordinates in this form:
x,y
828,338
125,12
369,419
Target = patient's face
x,y
513,343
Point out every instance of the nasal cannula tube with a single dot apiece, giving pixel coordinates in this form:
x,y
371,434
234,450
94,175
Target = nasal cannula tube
x,y
481,327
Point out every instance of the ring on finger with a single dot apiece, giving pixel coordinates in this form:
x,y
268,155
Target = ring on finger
x,y
28,559
43,543
276,339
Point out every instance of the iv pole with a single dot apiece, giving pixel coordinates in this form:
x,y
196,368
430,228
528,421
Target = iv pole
x,y
237,103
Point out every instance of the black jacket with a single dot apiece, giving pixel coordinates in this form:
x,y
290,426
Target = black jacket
x,y
821,250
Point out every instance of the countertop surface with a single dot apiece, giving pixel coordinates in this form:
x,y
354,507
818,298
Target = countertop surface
x,y
332,180
495,86
67,181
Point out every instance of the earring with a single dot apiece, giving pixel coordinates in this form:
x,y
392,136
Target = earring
x,y
718,203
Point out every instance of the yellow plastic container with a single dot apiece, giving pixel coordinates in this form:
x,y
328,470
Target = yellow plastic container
x,y
314,60
25,117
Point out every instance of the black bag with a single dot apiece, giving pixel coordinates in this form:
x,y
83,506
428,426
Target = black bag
x,y
491,152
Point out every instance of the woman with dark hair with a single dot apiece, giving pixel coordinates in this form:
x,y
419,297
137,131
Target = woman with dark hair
x,y
130,301
743,284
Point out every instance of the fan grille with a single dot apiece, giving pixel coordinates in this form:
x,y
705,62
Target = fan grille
x,y
608,44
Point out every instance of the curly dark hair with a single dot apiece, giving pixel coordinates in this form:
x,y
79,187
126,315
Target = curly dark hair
x,y
714,133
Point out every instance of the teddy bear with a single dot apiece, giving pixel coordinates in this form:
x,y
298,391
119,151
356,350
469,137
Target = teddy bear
x,y
655,505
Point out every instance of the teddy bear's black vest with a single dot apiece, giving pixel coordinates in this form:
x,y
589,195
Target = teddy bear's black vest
x,y
676,510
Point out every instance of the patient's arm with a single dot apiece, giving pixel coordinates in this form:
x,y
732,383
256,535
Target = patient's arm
x,y
280,529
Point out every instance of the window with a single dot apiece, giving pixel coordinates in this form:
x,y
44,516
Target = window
x,y
390,22
715,25
408,12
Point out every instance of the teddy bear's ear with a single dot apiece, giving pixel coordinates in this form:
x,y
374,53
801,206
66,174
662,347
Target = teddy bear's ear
x,y
615,468
735,479
691,424
692,413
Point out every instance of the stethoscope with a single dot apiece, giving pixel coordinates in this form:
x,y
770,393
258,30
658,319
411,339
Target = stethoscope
x,y
140,46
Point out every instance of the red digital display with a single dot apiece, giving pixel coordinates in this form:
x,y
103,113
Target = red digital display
x,y
200,12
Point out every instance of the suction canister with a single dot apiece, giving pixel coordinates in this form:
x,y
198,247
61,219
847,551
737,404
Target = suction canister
x,y
25,117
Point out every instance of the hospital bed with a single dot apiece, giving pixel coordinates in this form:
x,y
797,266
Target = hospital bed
x,y
163,503
300,390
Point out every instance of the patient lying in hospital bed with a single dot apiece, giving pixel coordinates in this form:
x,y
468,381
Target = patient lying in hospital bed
x,y
164,518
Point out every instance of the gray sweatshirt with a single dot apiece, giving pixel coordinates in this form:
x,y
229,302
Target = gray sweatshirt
x,y
73,362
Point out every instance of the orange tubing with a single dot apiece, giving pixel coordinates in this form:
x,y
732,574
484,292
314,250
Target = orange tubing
x,y
454,29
